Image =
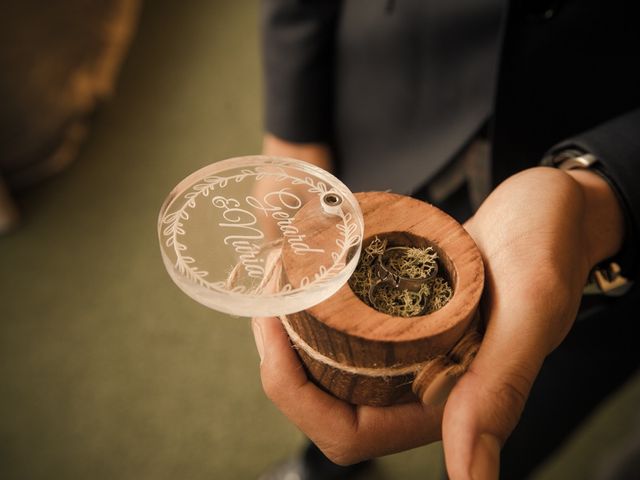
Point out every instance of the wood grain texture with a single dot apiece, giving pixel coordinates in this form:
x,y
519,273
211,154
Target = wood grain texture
x,y
348,331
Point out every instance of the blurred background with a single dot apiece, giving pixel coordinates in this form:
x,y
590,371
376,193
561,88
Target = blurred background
x,y
107,370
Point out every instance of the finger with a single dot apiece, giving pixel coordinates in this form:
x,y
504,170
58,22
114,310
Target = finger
x,y
486,404
286,384
345,433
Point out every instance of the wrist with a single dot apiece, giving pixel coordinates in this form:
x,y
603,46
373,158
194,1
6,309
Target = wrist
x,y
604,222
603,219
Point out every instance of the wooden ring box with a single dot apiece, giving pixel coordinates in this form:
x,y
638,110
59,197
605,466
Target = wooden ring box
x,y
364,356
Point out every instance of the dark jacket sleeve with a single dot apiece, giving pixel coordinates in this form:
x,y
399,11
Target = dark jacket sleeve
x,y
298,39
616,144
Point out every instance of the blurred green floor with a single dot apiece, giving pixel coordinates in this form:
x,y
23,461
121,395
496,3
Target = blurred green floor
x,y
107,370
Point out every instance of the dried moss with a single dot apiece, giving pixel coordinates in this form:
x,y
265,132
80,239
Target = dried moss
x,y
413,263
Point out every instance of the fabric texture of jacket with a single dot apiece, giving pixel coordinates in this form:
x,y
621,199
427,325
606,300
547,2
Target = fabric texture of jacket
x,y
550,74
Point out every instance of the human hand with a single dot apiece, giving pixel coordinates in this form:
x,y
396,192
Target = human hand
x,y
540,232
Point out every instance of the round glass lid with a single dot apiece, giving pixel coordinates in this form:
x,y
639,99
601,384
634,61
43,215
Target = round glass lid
x,y
258,235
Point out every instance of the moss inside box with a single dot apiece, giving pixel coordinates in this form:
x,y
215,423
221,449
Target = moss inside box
x,y
417,266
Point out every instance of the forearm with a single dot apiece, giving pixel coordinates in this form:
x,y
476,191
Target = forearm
x,y
298,63
318,154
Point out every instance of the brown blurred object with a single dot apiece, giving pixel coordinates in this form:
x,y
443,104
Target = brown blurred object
x,y
8,211
58,60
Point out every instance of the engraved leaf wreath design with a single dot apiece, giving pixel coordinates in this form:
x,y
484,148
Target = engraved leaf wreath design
x,y
185,264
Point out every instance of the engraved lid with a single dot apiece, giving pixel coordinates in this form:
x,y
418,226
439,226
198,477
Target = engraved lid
x,y
222,231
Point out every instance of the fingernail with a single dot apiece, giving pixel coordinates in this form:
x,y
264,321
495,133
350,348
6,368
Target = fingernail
x,y
257,335
485,463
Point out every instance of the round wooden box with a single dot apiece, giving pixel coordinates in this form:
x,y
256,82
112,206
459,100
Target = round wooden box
x,y
367,357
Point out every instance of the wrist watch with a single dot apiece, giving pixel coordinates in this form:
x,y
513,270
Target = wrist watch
x,y
606,277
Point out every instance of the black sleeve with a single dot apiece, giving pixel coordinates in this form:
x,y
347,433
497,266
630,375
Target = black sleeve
x,y
616,144
298,39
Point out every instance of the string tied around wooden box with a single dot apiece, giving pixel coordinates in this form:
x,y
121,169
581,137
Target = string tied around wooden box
x,y
434,378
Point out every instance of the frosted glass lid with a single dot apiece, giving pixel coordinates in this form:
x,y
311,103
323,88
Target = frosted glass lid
x,y
258,235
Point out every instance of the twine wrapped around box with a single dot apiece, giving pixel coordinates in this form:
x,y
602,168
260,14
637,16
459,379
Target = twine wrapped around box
x,y
367,357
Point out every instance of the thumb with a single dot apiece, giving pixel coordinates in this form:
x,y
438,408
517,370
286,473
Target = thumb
x,y
486,404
